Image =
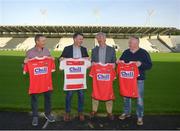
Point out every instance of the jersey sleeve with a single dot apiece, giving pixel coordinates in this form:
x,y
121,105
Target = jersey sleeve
x,y
62,64
91,74
25,68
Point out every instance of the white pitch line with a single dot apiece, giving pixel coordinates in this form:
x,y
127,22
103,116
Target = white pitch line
x,y
45,125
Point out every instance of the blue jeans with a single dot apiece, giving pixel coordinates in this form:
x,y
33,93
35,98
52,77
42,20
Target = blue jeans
x,y
69,95
140,101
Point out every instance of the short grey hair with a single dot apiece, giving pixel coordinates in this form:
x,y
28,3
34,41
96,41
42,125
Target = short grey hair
x,y
135,37
101,34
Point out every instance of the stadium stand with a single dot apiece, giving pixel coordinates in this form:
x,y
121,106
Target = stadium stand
x,y
176,41
144,43
158,45
51,43
110,42
172,41
63,43
4,40
153,39
147,45
122,44
11,44
89,43
167,40
26,45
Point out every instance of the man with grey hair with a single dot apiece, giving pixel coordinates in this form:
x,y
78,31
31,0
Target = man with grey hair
x,y
102,54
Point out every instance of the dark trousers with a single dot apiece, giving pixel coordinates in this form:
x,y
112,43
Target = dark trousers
x,y
47,103
69,95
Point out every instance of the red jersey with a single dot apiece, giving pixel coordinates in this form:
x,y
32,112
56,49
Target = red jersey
x,y
40,74
103,76
128,73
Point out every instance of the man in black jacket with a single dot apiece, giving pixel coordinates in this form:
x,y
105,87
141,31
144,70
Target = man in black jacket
x,y
143,61
74,51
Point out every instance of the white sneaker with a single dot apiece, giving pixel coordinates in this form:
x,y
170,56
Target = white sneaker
x,y
140,121
124,116
35,121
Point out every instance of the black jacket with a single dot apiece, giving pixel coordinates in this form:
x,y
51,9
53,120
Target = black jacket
x,y
68,52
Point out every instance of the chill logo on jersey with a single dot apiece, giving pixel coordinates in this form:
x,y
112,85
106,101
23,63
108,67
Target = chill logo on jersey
x,y
40,70
127,74
74,69
103,77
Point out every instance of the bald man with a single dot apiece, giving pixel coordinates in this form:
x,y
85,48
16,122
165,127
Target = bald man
x,y
143,61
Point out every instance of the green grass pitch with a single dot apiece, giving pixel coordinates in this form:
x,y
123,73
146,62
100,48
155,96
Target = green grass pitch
x,y
162,87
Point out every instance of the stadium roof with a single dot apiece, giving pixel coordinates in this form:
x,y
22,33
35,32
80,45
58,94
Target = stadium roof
x,y
86,30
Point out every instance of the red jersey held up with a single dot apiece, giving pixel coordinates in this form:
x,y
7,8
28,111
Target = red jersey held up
x,y
103,76
40,74
128,73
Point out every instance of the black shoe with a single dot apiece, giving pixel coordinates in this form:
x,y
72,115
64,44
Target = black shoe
x,y
49,117
110,116
93,114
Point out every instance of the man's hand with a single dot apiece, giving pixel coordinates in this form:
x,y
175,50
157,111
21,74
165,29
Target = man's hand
x,y
61,58
114,65
52,57
119,61
88,58
26,60
138,63
93,63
